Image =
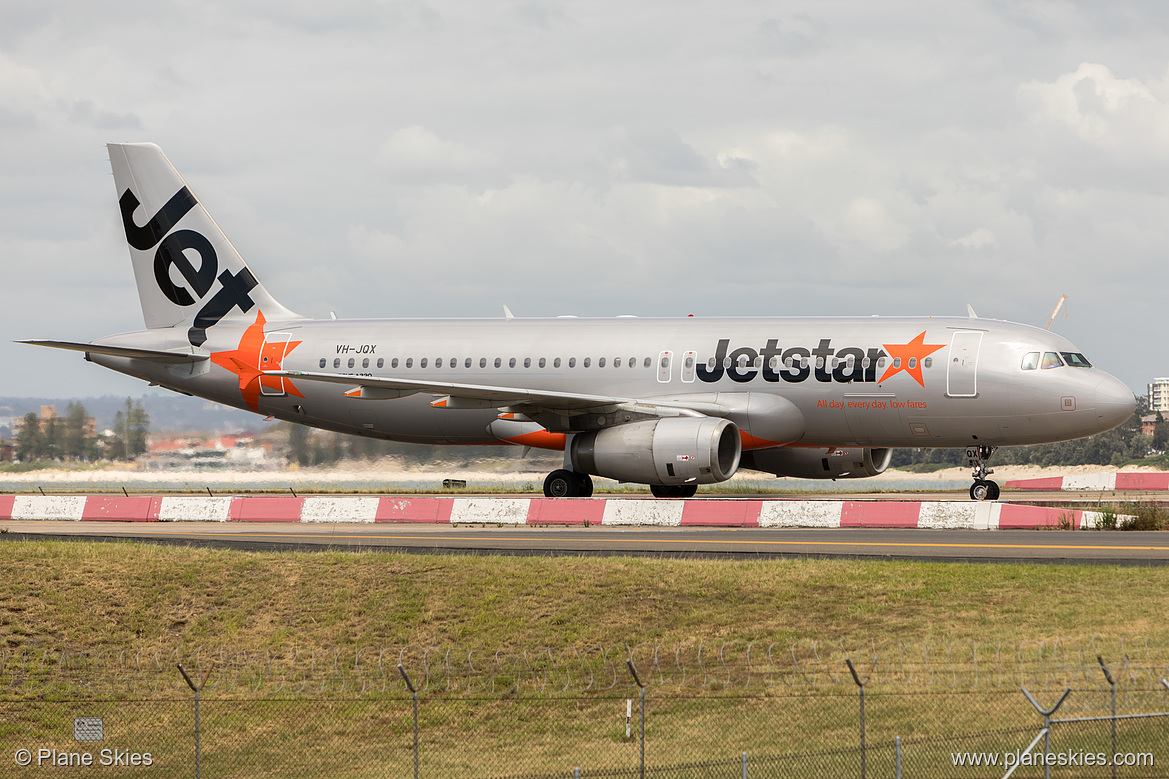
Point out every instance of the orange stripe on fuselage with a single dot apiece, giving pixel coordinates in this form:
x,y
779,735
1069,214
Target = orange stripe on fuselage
x,y
541,439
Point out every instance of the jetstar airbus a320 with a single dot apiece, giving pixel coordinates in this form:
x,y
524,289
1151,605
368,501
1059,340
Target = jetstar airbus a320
x,y
672,403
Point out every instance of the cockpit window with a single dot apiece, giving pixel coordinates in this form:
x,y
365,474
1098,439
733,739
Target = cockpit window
x,y
1051,360
1030,361
1076,360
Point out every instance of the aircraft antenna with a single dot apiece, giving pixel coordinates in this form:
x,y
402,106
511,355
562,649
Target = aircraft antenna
x,y
1058,306
970,311
507,314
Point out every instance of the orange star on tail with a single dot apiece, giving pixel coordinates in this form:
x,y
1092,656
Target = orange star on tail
x,y
916,350
244,362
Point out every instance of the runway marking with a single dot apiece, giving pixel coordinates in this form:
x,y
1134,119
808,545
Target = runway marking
x,y
910,544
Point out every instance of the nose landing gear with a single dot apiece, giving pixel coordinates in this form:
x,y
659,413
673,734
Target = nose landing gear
x,y
983,488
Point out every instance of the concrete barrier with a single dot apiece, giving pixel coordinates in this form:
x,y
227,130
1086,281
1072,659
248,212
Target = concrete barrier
x,y
1096,482
630,512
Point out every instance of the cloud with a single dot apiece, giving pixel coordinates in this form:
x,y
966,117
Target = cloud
x,y
417,155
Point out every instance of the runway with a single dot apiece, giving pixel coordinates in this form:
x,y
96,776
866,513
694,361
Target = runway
x,y
1057,547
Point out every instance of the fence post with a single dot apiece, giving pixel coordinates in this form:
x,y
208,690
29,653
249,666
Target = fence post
x,y
1112,684
414,692
897,749
641,687
187,679
1047,726
744,765
856,678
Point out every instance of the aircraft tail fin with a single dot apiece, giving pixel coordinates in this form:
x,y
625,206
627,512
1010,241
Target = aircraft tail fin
x,y
187,271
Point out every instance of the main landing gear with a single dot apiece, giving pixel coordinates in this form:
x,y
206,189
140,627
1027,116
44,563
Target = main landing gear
x,y
568,484
983,488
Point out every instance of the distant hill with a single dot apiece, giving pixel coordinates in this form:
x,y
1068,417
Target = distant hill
x,y
167,413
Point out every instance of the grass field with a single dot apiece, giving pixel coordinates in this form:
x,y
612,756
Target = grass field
x,y
83,595
142,597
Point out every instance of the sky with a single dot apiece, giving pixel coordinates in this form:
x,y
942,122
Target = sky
x,y
735,157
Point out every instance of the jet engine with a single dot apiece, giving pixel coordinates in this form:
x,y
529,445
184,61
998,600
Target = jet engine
x,y
675,450
819,463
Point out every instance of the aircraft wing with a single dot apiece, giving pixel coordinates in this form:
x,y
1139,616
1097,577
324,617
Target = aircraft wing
x,y
155,355
484,396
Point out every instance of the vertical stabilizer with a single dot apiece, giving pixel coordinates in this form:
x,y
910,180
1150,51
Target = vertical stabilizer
x,y
188,273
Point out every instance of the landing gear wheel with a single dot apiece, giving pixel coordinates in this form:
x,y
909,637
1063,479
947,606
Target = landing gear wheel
x,y
983,488
562,484
585,484
673,490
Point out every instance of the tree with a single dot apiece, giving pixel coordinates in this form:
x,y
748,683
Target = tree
x,y
30,444
131,426
1160,433
77,443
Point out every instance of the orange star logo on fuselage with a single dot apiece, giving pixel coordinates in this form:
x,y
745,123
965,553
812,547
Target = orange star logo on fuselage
x,y
916,350
254,350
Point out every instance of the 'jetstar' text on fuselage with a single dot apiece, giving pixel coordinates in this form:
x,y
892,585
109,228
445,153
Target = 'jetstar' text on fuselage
x,y
794,364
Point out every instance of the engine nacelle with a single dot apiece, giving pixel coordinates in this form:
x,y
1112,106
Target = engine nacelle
x,y
819,463
676,450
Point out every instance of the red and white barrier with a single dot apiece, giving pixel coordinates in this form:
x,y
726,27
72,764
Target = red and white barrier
x,y
1096,482
545,511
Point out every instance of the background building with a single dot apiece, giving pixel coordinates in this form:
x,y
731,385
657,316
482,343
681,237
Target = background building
x,y
1159,395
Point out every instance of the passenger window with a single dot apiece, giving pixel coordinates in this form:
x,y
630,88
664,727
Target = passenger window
x,y
498,362
511,363
632,362
336,362
482,362
322,362
927,362
423,363
588,361
437,362
1030,361
556,363
543,362
896,362
365,363
527,362
601,363
467,363
912,363
649,362
616,362
1051,360
409,362
351,362
381,362
880,362
394,363
571,362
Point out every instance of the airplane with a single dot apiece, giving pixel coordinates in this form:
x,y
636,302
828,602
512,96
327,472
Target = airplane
x,y
668,402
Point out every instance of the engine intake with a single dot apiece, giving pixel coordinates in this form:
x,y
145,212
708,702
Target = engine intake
x,y
819,463
684,450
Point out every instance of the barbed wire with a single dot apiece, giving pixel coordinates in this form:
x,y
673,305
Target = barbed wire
x,y
710,666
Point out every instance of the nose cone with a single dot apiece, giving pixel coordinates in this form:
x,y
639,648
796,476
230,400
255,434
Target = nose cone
x,y
1114,403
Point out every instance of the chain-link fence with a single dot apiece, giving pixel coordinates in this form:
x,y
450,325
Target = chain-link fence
x,y
330,713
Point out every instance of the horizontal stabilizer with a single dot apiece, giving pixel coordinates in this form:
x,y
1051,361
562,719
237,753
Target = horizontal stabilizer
x,y
153,355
